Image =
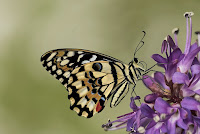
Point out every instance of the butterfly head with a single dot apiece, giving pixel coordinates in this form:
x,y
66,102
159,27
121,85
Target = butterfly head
x,y
136,60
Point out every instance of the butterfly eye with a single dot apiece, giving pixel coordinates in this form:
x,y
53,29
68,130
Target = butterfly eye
x,y
136,60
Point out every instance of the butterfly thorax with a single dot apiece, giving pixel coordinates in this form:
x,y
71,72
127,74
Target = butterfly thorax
x,y
134,72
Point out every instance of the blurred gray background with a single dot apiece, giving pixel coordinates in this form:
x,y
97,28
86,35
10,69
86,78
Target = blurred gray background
x,y
34,102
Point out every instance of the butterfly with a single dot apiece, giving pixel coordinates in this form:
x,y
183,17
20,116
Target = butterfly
x,y
91,78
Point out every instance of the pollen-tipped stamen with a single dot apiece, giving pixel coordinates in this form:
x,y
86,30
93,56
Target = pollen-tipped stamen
x,y
175,31
190,36
168,48
189,31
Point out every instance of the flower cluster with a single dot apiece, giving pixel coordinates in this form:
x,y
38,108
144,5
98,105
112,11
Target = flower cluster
x,y
173,107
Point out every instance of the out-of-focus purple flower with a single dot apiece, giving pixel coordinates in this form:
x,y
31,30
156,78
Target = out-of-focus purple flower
x,y
173,107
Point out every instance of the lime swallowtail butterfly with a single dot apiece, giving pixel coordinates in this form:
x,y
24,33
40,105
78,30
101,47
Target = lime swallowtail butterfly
x,y
91,78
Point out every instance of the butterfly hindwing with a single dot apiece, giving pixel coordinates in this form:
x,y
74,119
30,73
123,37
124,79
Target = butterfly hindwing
x,y
89,88
90,78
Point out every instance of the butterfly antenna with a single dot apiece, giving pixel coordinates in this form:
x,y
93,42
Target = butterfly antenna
x,y
141,41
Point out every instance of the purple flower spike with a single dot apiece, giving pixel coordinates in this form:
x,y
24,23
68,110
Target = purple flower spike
x,y
173,106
